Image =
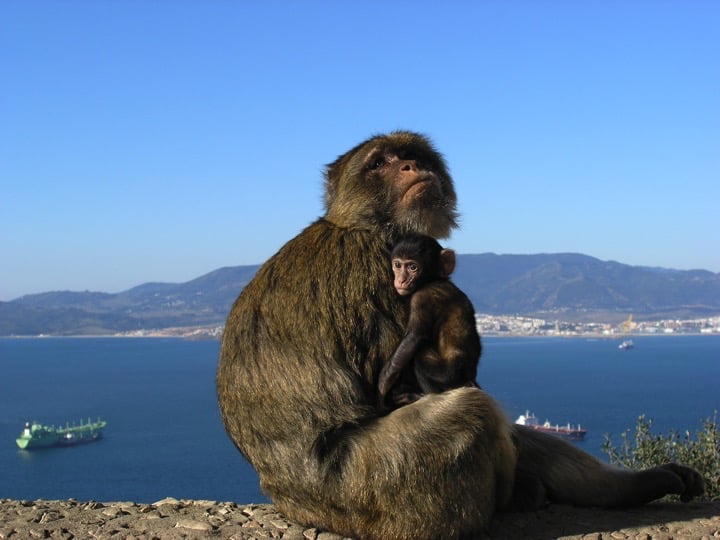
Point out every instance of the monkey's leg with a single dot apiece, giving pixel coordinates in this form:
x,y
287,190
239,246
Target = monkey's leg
x,y
437,468
565,474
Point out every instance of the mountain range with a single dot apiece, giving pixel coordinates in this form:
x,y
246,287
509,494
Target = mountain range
x,y
566,285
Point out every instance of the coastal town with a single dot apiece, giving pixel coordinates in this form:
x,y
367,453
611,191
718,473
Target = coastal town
x,y
515,326
489,325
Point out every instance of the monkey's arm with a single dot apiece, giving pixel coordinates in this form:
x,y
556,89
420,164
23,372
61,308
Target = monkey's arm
x,y
402,356
419,330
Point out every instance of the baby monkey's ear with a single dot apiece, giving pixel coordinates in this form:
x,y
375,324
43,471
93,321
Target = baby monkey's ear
x,y
447,262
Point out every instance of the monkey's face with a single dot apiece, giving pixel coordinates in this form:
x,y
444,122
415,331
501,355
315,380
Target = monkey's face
x,y
408,274
408,181
397,182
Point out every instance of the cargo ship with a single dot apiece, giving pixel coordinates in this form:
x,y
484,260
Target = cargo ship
x,y
36,435
569,431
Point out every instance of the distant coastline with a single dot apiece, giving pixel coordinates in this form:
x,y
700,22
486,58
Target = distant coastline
x,y
555,294
514,326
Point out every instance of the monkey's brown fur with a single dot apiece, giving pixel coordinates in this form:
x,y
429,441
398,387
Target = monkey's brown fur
x,y
301,354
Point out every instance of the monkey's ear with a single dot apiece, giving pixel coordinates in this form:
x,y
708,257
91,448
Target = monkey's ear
x,y
447,262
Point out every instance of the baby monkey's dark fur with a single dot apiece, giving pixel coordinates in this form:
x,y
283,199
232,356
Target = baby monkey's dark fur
x,y
441,346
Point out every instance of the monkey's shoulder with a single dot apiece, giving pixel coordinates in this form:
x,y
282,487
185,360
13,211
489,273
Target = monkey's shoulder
x,y
441,300
324,252
441,290
328,277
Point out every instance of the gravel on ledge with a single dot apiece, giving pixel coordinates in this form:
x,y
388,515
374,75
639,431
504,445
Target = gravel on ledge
x,y
172,519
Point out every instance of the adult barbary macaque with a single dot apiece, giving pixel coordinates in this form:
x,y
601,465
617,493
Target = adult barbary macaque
x,y
300,358
441,346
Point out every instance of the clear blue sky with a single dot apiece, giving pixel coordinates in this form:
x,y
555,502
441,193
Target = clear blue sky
x,y
160,140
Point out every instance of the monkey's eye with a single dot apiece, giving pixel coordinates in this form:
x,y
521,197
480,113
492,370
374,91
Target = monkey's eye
x,y
376,163
413,267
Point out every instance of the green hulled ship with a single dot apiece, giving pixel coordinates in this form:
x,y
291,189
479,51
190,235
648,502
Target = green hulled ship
x,y
36,435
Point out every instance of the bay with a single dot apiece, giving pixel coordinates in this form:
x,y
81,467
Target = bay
x,y
165,437
672,380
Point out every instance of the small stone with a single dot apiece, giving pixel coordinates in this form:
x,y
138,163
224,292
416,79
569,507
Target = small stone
x,y
193,525
279,524
66,535
248,510
166,500
152,515
240,518
203,503
216,521
113,511
329,536
49,516
293,533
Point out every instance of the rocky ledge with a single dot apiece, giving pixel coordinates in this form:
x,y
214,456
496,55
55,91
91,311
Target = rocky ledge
x,y
172,519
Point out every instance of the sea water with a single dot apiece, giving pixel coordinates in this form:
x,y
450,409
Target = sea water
x,y
165,438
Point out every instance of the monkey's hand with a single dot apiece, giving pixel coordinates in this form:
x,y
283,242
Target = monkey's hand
x,y
402,357
388,376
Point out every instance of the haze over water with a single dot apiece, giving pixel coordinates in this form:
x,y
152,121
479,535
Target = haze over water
x,y
165,438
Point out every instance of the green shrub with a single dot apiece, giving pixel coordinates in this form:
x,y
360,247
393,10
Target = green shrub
x,y
647,449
